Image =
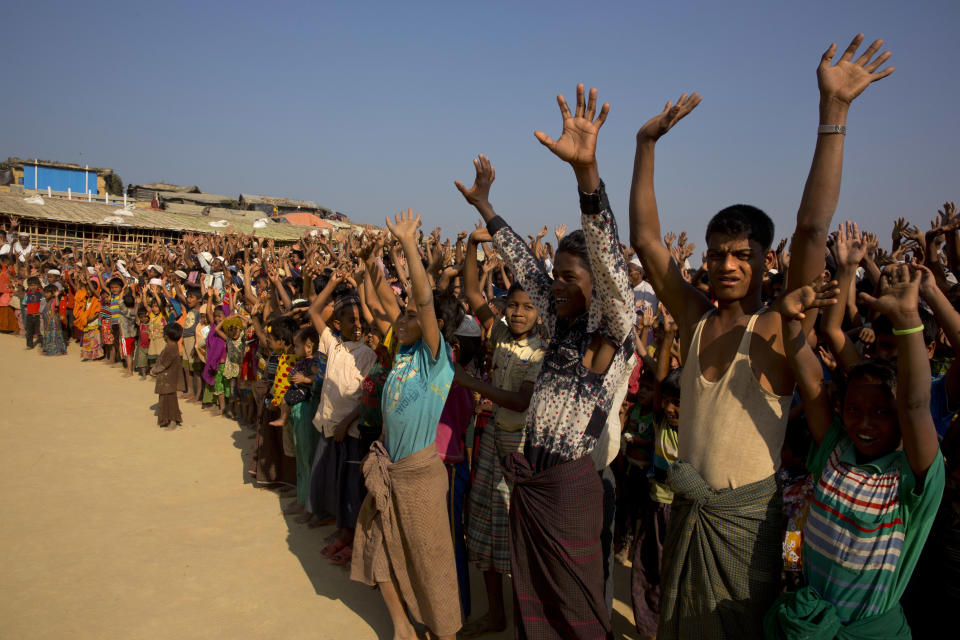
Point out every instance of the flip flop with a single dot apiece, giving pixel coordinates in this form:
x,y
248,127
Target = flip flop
x,y
343,556
332,549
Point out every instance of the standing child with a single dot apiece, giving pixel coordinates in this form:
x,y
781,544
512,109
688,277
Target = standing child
x,y
516,356
338,456
87,318
154,304
398,546
231,332
140,359
106,331
30,309
114,300
128,328
879,471
167,370
53,341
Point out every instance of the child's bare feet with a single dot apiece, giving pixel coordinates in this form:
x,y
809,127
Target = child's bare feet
x,y
277,423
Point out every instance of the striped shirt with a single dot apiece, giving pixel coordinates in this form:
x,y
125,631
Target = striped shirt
x,y
113,308
867,525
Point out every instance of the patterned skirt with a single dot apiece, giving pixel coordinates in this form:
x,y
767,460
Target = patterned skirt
x,y
91,347
53,342
488,509
106,330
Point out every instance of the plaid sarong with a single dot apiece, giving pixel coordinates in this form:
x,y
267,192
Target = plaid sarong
x,y
488,509
721,558
556,517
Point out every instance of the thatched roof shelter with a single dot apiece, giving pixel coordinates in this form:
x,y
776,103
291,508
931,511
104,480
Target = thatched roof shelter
x,y
59,222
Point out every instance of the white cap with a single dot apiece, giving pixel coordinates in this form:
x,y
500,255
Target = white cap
x,y
469,328
206,255
156,281
180,274
53,272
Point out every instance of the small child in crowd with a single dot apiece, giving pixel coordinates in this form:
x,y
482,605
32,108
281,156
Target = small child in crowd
x,y
30,310
879,471
167,371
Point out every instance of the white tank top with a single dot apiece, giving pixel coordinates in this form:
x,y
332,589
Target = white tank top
x,y
730,430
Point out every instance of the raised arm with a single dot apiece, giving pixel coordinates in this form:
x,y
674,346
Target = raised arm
x,y
404,227
899,290
607,264
533,278
471,282
321,300
801,358
839,85
681,298
849,250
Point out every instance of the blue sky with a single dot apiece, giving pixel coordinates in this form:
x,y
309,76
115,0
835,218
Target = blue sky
x,y
370,107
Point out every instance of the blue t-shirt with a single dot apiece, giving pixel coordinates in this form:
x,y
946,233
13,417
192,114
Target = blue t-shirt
x,y
413,398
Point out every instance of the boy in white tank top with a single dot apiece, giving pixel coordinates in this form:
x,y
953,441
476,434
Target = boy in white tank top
x,y
722,552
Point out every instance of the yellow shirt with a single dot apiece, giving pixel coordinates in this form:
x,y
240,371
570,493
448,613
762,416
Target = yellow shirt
x,y
514,362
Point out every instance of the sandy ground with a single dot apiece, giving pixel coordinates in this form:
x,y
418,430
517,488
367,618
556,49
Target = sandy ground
x,y
114,528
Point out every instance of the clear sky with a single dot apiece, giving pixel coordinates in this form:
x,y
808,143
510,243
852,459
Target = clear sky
x,y
370,107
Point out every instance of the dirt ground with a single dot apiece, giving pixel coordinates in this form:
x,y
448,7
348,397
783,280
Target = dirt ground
x,y
114,528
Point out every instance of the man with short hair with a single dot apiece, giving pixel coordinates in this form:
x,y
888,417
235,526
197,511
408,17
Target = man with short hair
x,y
721,556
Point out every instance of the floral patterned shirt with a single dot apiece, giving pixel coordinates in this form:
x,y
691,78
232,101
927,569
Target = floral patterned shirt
x,y
570,403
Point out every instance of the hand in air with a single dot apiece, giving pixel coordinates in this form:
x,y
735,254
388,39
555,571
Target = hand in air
x,y
404,226
578,141
850,247
848,78
672,113
899,293
820,293
479,193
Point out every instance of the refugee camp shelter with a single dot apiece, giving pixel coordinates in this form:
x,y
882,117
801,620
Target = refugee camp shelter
x,y
59,222
280,206
58,176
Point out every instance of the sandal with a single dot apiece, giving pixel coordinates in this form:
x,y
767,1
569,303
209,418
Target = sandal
x,y
332,549
343,557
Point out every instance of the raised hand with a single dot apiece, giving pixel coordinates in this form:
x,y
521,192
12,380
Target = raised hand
x,y
560,231
849,246
948,220
672,113
899,295
647,318
404,226
821,293
872,243
479,194
899,226
848,78
578,141
480,234
669,239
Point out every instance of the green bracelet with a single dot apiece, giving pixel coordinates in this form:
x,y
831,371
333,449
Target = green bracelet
x,y
906,332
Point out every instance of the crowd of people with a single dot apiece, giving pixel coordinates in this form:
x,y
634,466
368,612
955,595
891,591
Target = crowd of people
x,y
765,439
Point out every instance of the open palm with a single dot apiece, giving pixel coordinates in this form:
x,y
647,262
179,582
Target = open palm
x,y
578,141
848,78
